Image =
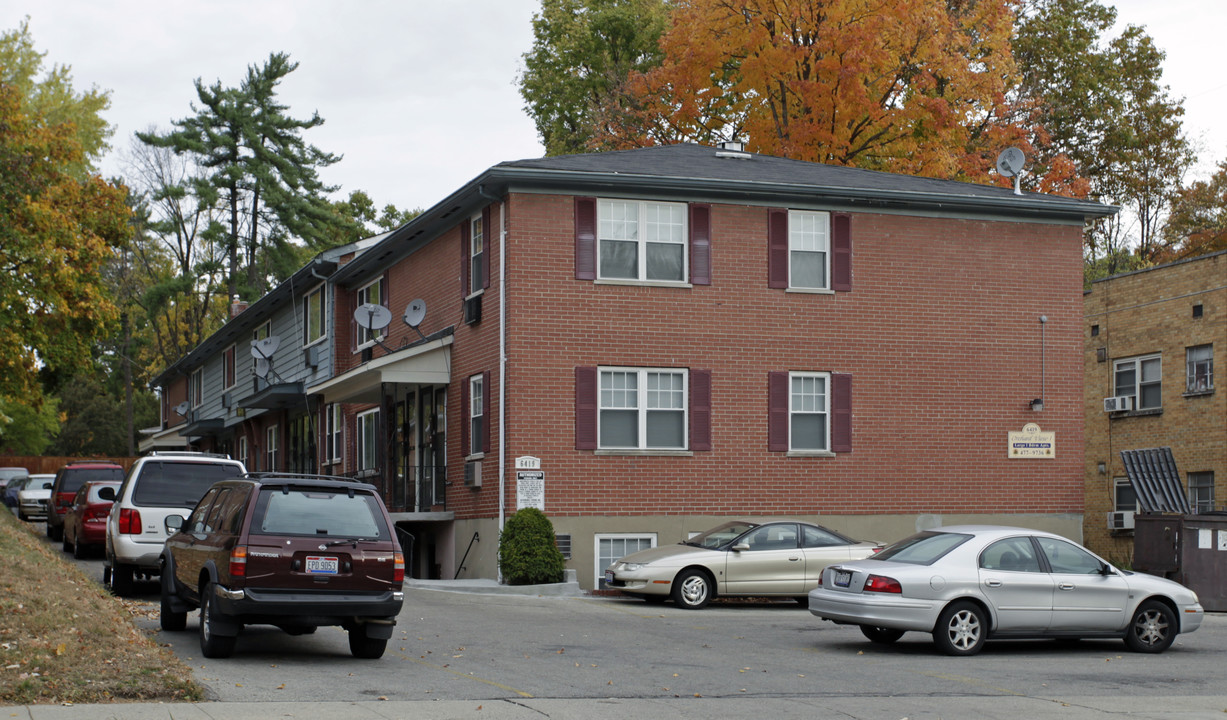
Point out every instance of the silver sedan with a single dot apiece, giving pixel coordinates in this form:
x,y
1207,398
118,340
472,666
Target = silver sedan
x,y
968,584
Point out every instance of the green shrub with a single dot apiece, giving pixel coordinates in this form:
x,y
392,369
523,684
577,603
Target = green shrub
x,y
527,550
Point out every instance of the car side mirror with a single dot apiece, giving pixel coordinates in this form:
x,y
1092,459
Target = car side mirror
x,y
741,546
1107,569
107,493
174,523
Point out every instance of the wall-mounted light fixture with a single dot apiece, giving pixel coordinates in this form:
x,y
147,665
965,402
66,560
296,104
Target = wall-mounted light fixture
x,y
1037,404
1103,469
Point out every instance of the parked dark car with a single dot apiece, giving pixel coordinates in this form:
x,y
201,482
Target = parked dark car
x,y
294,551
85,524
68,481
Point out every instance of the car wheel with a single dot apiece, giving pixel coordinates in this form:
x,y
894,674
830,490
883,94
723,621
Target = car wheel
x,y
55,533
212,645
22,517
367,648
961,629
80,550
1153,628
121,580
692,589
881,635
65,545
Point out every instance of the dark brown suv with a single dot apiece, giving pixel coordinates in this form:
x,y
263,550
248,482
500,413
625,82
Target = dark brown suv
x,y
294,551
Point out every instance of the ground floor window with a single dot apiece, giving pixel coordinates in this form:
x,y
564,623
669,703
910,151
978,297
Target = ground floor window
x,y
300,446
612,546
1126,498
367,439
1201,491
270,449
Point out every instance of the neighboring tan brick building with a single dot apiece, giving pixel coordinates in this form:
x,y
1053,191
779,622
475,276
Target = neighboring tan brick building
x,y
1153,340
655,340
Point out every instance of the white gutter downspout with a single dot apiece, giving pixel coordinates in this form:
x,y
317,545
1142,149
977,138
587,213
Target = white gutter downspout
x,y
502,369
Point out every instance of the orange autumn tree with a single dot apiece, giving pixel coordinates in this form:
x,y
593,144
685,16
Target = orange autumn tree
x,y
921,87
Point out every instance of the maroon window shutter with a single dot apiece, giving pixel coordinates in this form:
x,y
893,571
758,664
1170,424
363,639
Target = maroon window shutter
x,y
487,245
841,252
700,410
585,238
466,419
841,412
777,411
700,244
465,251
777,250
585,408
485,411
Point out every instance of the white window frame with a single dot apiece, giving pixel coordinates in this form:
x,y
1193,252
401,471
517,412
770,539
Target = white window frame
x,y
195,388
270,448
366,338
606,223
321,315
477,253
477,418
1136,392
794,410
361,437
243,451
1199,367
1117,484
1198,503
600,565
641,405
260,333
809,231
229,367
334,437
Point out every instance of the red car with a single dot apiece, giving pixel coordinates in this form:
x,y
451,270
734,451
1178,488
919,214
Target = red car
x,y
85,522
68,480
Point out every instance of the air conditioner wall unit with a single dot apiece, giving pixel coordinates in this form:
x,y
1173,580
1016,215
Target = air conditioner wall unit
x,y
472,474
1119,403
1120,520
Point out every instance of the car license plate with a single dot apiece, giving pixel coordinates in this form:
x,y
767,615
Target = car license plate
x,y
609,576
843,578
317,565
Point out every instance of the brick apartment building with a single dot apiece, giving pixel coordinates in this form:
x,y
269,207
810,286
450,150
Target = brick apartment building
x,y
1153,339
644,343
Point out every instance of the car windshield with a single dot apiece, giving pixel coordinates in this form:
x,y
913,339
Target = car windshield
x,y
179,484
318,513
74,478
721,535
923,548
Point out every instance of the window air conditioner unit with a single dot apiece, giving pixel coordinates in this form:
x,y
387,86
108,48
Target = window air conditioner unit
x,y
472,309
472,474
1118,404
1120,520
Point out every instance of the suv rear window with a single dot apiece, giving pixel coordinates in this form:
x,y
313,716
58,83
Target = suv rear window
x,y
318,513
72,479
179,484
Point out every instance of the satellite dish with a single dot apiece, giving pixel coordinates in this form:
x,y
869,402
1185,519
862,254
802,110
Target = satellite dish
x,y
1010,162
182,408
262,367
372,317
264,349
415,313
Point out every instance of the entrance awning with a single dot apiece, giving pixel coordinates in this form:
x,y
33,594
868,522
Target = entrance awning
x,y
159,439
203,428
426,363
281,396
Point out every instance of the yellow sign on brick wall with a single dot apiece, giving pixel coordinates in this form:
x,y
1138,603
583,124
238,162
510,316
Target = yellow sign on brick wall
x,y
1032,443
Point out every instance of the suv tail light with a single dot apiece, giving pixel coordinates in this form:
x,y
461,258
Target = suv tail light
x,y
878,583
129,521
63,501
238,561
398,567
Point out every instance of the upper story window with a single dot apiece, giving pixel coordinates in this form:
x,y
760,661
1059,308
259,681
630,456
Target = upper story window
x,y
808,411
477,254
809,249
314,322
476,411
228,378
1200,363
373,294
639,240
195,384
1142,379
259,334
642,409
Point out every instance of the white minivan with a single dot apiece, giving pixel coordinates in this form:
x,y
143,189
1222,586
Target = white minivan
x,y
156,487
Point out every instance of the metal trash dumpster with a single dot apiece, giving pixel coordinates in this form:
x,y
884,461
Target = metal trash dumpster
x,y
1190,549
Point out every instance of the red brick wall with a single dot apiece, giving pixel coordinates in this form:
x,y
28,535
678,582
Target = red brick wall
x,y
941,333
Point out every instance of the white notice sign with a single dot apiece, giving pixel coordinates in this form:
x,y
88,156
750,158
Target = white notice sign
x,y
1032,443
530,489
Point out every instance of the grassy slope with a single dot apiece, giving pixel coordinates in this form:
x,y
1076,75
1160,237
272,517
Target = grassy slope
x,y
65,639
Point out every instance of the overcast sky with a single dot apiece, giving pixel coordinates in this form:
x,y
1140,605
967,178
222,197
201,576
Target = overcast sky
x,y
420,97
